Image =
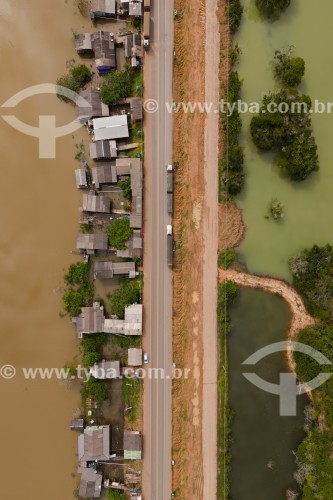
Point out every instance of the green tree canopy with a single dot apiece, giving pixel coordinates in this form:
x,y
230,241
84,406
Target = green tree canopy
x,y
78,274
117,86
73,300
90,358
77,77
129,293
289,70
119,231
96,390
272,9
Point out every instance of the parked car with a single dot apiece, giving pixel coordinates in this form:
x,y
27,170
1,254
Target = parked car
x,y
169,230
145,358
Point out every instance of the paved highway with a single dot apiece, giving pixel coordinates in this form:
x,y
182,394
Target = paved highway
x,y
157,340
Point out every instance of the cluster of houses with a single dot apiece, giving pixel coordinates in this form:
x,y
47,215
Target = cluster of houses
x,y
95,448
111,8
102,46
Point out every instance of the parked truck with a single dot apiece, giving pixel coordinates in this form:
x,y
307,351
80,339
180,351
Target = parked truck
x,y
170,189
170,250
146,30
147,5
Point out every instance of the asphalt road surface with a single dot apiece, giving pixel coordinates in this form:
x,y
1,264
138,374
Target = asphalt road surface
x,y
157,340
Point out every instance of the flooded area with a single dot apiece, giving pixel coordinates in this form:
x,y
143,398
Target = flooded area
x,y
263,463
307,205
39,220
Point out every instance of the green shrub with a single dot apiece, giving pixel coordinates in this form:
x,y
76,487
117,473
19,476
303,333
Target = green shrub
x,y
117,86
125,185
289,70
226,258
129,293
96,390
81,74
119,231
235,14
75,80
272,9
73,300
78,274
94,342
90,358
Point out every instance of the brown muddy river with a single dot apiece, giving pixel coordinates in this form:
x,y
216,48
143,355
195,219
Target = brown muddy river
x,y
38,220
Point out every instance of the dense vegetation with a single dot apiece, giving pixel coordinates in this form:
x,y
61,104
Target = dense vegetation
x,y
283,125
272,9
315,454
235,15
227,292
312,271
226,258
77,77
119,231
232,164
96,390
117,86
116,495
91,348
80,291
125,185
128,293
289,70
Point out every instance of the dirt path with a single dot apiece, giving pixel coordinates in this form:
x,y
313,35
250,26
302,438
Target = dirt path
x,y
210,238
300,318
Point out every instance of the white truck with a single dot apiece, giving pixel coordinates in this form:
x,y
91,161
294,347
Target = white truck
x,y
170,189
146,30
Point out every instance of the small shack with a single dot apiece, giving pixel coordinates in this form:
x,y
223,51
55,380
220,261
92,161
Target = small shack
x,y
81,178
104,174
89,105
92,242
136,109
90,484
111,127
103,150
83,44
106,370
96,204
105,51
91,320
107,270
134,356
77,424
102,8
132,445
135,8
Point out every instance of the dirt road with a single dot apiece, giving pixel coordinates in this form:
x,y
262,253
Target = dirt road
x,y
210,238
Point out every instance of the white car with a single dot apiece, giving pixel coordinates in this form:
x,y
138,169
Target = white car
x,y
169,230
169,168
145,358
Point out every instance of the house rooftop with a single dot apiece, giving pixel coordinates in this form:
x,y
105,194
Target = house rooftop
x,y
134,356
81,178
105,51
106,370
83,43
112,127
135,8
107,270
93,203
94,444
92,242
77,424
104,174
103,8
90,105
131,325
132,445
91,320
103,149
90,484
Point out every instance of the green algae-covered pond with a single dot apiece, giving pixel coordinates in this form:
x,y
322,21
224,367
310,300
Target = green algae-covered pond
x,y
267,246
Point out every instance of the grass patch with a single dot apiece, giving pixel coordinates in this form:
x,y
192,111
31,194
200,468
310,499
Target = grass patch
x,y
132,395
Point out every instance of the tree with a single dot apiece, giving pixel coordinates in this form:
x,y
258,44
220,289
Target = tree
x,y
272,9
226,258
235,15
81,74
78,274
289,70
115,495
129,293
90,358
117,86
276,209
119,231
300,157
73,301
268,131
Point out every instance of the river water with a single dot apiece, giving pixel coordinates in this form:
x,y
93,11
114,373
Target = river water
x,y
262,460
38,220
268,245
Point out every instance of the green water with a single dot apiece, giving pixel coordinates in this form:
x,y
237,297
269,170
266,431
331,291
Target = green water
x,y
268,244
260,435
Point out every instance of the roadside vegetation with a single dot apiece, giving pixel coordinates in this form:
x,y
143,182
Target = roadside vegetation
x,y
226,258
314,455
227,292
235,15
77,77
284,126
132,396
272,9
80,290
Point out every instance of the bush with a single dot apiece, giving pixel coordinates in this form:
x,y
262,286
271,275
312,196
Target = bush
x,y
78,274
132,391
287,134
272,9
312,271
119,231
76,79
235,15
73,301
117,86
129,293
115,495
94,342
90,358
276,209
289,70
226,258
95,390
125,185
